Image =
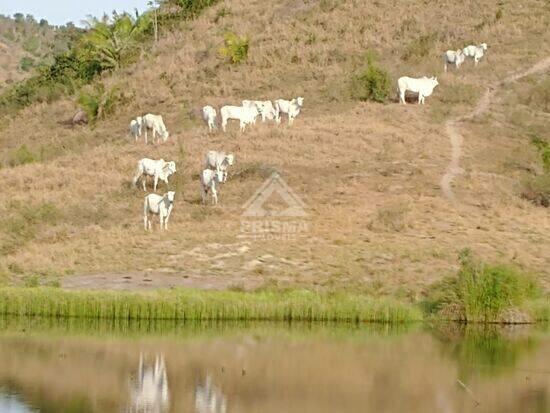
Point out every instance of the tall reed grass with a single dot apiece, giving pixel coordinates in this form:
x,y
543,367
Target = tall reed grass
x,y
295,305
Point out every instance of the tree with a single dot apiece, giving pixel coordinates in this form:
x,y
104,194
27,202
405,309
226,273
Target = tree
x,y
114,41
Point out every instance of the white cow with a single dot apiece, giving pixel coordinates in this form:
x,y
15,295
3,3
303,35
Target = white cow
x,y
149,391
475,52
156,124
135,127
157,169
158,205
423,86
453,57
245,116
290,107
219,161
209,115
265,108
209,181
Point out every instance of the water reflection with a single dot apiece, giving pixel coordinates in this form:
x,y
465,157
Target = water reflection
x,y
209,398
149,389
278,368
490,350
10,403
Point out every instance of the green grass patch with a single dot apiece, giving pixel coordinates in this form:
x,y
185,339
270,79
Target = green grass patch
x,y
293,305
483,293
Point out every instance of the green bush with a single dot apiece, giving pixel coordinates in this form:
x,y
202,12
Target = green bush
x,y
26,63
481,292
544,148
373,83
99,103
21,156
235,48
31,45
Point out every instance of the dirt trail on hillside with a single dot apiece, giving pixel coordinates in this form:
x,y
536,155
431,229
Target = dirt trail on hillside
x,y
452,129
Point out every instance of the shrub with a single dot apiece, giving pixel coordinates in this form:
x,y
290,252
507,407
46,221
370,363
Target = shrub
x,y
481,292
235,48
21,156
544,149
31,45
537,190
26,63
372,84
420,47
99,103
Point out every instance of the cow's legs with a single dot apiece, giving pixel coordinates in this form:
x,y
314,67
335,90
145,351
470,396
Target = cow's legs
x,y
203,194
146,135
402,97
214,195
155,183
166,218
145,219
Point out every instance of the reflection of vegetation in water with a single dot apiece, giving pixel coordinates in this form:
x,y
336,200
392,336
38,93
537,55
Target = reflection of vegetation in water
x,y
195,328
485,349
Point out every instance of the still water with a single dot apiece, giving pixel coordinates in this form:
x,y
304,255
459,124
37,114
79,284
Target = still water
x,y
72,366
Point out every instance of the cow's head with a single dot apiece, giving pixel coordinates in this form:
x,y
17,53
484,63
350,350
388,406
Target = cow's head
x,y
219,175
300,101
230,159
170,167
483,46
165,136
170,196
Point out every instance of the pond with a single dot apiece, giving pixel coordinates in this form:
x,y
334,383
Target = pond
x,y
85,366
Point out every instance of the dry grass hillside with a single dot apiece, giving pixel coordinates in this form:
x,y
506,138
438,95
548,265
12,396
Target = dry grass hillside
x,y
369,173
24,44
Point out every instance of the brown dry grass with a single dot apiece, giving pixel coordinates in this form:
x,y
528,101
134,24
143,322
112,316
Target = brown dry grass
x,y
350,162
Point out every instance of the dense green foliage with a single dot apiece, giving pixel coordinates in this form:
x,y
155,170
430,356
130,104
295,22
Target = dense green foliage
x,y
373,83
481,292
235,48
202,305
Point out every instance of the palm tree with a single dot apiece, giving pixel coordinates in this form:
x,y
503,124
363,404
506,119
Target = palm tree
x,y
113,41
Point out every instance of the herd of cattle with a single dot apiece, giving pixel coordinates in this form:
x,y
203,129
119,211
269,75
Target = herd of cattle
x,y
216,163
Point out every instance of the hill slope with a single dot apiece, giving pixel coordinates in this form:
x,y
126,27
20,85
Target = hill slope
x,y
369,174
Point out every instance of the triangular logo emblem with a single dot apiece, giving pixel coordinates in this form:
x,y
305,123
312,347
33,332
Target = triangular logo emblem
x,y
254,207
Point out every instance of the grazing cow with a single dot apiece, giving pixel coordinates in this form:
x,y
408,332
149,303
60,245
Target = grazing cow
x,y
453,57
291,108
158,205
423,86
149,391
475,52
157,169
245,116
209,181
156,124
135,127
264,107
219,161
209,115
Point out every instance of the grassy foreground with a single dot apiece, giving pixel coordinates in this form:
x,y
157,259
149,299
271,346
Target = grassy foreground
x,y
295,305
